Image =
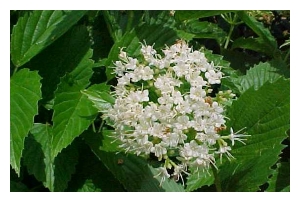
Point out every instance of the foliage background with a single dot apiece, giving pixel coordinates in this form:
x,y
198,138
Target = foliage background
x,y
58,62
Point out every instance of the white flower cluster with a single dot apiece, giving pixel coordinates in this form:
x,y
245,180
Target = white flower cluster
x,y
164,107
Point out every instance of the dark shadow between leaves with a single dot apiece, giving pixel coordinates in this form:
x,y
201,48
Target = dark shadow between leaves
x,y
33,158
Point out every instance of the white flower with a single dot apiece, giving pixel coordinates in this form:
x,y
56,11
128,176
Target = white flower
x,y
147,51
119,68
171,139
210,136
151,111
138,96
166,83
182,122
224,150
195,80
177,97
123,56
197,93
163,173
123,81
159,150
180,135
165,99
156,130
165,105
213,77
178,170
142,73
234,136
181,68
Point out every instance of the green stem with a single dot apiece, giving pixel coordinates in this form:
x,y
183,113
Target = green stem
x,y
101,126
94,128
217,179
233,22
229,36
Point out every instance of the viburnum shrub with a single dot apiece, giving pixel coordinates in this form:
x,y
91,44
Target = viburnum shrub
x,y
166,107
149,100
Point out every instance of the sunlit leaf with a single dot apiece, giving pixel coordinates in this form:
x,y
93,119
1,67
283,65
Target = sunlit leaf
x,y
25,92
99,94
34,32
258,75
73,111
199,179
265,113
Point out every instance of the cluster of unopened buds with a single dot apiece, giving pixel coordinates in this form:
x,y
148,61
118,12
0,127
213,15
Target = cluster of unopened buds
x,y
165,107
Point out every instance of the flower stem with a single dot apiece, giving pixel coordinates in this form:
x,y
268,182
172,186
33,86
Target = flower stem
x,y
229,36
233,22
217,179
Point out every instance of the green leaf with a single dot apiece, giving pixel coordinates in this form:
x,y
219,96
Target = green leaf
x,y
118,22
266,37
167,20
205,30
25,92
197,180
61,57
134,172
34,32
255,44
73,111
280,180
186,15
258,76
65,164
239,60
265,114
158,35
159,17
216,59
112,24
55,173
99,94
104,141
